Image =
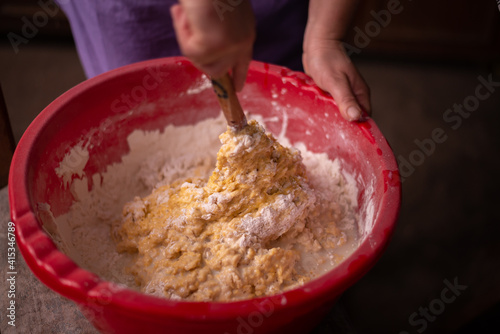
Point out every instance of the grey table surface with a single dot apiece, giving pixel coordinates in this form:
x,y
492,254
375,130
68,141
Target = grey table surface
x,y
38,309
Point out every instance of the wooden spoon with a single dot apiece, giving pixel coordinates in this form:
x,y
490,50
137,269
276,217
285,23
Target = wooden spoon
x,y
229,102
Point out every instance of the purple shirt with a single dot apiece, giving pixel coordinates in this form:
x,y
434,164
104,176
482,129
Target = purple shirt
x,y
113,33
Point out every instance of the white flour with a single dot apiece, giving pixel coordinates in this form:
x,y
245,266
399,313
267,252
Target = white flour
x,y
158,158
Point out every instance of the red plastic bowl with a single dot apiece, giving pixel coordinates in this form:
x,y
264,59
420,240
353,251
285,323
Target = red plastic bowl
x,y
95,110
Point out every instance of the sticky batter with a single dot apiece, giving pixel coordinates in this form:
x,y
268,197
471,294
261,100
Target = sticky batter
x,y
256,227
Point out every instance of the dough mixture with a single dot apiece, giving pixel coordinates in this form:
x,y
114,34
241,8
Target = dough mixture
x,y
262,218
240,234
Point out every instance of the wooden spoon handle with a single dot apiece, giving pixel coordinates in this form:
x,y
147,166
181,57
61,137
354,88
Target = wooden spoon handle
x,y
229,102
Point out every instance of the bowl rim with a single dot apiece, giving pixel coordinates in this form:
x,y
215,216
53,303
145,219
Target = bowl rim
x,y
61,274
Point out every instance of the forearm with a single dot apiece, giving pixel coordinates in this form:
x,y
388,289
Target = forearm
x,y
328,20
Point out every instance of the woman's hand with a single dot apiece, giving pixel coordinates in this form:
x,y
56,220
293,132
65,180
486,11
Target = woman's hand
x,y
332,70
325,60
216,40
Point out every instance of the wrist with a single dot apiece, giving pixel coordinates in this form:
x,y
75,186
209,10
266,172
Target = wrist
x,y
319,45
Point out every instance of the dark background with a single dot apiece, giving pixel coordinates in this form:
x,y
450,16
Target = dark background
x,y
419,62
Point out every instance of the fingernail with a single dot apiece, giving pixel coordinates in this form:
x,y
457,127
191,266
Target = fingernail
x,y
353,113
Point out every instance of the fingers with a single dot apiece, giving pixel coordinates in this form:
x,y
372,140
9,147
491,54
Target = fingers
x,y
340,89
360,91
350,92
216,46
331,69
216,68
352,96
362,94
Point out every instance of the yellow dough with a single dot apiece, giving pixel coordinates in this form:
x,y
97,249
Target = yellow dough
x,y
240,234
